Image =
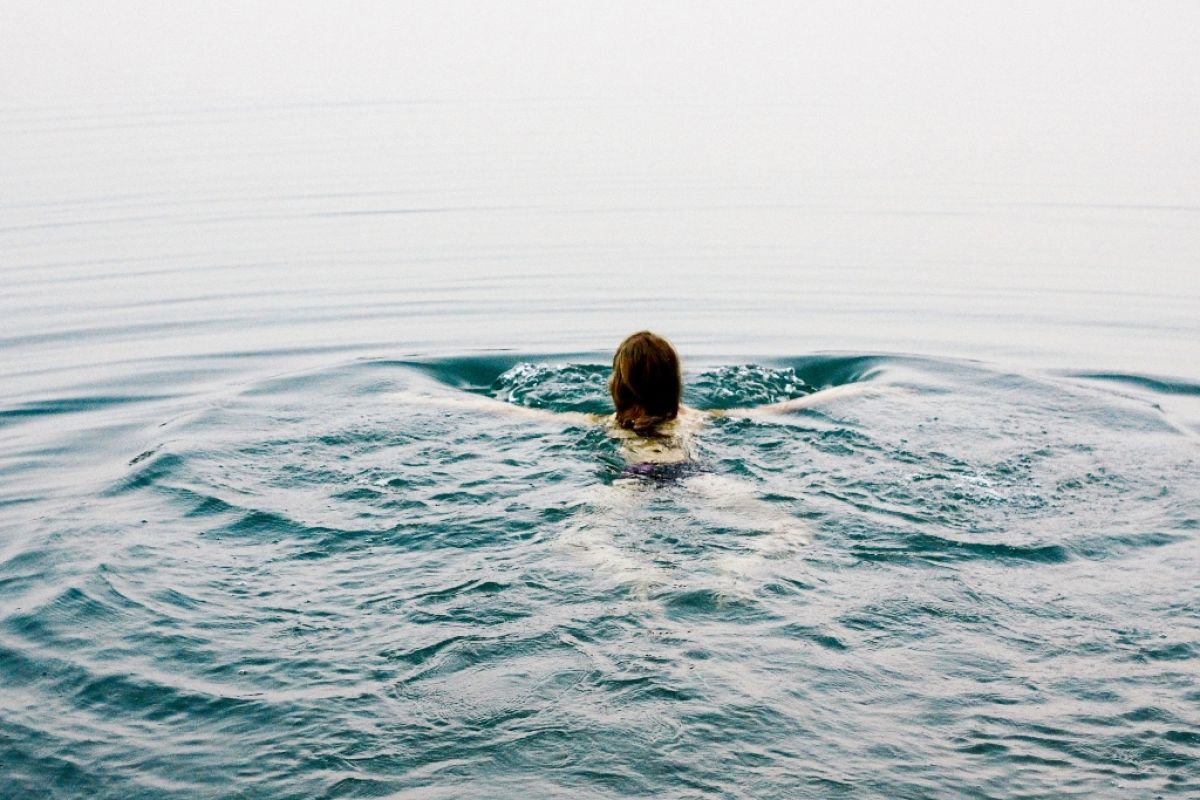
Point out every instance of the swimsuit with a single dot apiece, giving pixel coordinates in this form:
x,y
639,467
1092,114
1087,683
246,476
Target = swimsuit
x,y
658,472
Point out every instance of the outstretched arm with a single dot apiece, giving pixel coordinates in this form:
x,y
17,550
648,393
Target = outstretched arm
x,y
808,401
477,402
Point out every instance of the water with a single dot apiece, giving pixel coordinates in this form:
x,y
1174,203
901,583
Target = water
x,y
240,558
301,587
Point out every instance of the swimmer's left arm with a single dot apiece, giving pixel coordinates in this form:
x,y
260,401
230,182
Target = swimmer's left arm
x,y
478,402
568,417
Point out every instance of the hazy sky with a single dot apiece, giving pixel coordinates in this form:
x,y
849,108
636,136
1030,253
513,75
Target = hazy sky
x,y
929,53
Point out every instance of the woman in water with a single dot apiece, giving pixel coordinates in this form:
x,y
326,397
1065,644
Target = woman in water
x,y
654,426
656,432
655,429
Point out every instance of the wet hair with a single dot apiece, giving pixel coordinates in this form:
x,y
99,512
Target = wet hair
x,y
646,382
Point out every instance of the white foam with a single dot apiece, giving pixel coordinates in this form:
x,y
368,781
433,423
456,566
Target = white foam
x,y
607,515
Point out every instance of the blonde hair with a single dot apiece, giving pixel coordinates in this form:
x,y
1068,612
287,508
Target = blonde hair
x,y
646,382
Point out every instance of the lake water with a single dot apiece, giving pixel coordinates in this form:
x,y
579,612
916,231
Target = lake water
x,y
237,559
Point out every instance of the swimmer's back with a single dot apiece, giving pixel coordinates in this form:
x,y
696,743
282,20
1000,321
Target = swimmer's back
x,y
670,443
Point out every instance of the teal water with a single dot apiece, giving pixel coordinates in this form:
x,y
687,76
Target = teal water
x,y
240,559
303,588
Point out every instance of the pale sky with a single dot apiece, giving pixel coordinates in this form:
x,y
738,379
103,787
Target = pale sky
x,y
1099,95
924,53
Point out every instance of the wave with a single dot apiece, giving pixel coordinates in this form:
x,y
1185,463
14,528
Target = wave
x,y
1154,384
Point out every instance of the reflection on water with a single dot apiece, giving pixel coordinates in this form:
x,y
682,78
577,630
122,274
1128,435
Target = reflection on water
x,y
371,229
231,562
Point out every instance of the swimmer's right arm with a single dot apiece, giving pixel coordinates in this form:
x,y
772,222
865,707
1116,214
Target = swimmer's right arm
x,y
478,402
829,395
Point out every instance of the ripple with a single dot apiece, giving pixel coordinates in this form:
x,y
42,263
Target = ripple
x,y
74,405
995,583
1158,385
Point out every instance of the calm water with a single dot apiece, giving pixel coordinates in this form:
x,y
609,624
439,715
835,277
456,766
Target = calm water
x,y
236,562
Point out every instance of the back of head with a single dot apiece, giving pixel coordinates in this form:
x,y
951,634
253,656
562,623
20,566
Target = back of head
x,y
646,382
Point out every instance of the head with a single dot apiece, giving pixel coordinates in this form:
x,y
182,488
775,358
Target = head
x,y
646,382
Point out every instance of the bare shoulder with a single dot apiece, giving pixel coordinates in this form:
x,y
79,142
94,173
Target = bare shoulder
x,y
689,419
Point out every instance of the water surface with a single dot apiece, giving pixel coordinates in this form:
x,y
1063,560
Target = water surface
x,y
236,562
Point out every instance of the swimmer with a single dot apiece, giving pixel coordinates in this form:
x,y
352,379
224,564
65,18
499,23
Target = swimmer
x,y
655,429
656,432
